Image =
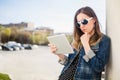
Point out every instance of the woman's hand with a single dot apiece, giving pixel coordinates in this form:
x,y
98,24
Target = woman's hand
x,y
85,41
53,49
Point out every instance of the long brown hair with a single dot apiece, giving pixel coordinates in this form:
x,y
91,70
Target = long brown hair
x,y
78,33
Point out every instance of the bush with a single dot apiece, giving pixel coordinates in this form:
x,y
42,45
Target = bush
x,y
4,37
43,40
14,34
5,34
23,37
4,76
40,38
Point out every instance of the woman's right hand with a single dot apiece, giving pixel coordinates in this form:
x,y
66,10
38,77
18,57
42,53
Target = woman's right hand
x,y
53,49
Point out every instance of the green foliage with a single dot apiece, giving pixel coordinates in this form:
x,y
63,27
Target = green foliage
x,y
23,37
4,37
4,76
1,27
44,40
7,31
5,34
14,34
26,37
36,39
40,38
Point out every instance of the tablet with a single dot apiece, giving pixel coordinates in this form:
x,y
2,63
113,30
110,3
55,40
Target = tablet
x,y
62,44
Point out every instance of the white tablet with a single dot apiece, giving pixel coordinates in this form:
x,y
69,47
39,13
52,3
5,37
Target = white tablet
x,y
62,44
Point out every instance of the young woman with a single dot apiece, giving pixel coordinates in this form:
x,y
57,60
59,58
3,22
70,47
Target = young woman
x,y
91,49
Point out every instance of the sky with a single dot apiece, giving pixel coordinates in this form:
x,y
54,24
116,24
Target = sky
x,y
55,14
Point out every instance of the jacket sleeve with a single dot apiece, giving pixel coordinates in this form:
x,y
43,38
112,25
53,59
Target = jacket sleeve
x,y
99,59
68,58
64,61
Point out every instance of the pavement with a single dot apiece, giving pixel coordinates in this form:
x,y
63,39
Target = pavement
x,y
36,64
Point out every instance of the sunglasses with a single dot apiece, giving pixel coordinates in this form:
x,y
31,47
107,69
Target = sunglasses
x,y
84,22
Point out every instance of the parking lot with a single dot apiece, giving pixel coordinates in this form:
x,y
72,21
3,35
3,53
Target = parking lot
x,y
35,64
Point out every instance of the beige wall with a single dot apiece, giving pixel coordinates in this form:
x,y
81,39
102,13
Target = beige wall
x,y
113,30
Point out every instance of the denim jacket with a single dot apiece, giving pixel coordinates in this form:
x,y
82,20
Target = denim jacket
x,y
90,67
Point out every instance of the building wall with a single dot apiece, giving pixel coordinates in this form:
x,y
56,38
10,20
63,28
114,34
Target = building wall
x,y
113,30
17,25
30,25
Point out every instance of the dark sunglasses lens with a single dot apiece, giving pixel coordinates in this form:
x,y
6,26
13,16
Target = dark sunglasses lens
x,y
84,21
77,25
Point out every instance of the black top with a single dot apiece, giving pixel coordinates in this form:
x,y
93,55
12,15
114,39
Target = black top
x,y
69,73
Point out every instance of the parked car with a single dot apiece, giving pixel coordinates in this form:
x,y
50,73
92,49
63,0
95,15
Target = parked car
x,y
7,48
27,46
12,46
0,47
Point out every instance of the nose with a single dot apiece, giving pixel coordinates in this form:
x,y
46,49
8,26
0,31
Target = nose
x,y
81,25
